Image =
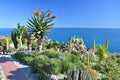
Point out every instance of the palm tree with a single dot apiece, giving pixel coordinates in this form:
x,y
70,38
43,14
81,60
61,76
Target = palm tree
x,y
39,25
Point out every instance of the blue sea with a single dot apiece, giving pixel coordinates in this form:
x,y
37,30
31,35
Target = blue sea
x,y
88,34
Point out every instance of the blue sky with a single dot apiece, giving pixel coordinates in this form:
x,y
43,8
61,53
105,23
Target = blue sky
x,y
70,13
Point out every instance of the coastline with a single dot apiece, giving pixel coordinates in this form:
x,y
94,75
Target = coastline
x,y
88,34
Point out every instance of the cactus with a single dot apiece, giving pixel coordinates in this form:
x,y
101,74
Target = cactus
x,y
1,47
6,39
7,43
93,45
106,43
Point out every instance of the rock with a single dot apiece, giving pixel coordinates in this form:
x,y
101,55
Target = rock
x,y
58,77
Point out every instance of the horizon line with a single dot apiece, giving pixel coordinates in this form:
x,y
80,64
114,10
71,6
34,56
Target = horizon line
x,y
111,27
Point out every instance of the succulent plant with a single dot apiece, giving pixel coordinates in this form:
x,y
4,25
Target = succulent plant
x,y
106,43
94,45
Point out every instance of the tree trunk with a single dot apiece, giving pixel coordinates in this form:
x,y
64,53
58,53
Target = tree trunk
x,y
39,42
29,44
20,41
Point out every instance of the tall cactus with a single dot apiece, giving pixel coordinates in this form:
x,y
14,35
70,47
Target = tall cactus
x,y
106,43
14,37
7,43
94,45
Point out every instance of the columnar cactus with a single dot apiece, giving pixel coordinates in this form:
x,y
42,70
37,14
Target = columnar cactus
x,y
7,43
93,45
106,43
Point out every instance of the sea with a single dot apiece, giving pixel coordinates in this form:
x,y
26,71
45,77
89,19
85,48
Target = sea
x,y
87,34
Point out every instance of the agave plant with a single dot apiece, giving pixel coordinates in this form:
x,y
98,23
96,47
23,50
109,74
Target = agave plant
x,y
40,24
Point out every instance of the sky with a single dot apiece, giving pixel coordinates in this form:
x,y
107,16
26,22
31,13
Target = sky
x,y
70,13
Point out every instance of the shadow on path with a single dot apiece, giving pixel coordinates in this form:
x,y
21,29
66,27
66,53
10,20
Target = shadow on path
x,y
4,59
16,75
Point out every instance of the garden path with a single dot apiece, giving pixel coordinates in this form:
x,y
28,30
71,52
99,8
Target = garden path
x,y
11,70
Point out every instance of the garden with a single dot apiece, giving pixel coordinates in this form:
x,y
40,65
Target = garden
x,y
73,60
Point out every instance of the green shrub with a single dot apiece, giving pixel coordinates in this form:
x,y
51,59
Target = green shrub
x,y
34,53
118,61
74,59
55,66
109,68
51,54
20,54
40,64
69,60
113,57
66,65
25,58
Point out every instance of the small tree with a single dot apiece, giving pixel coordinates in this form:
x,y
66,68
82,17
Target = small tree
x,y
17,35
14,35
39,25
21,30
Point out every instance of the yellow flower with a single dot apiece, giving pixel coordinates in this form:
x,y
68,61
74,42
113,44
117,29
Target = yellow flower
x,y
53,17
37,13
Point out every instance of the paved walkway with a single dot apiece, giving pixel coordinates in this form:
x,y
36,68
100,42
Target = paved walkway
x,y
11,70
